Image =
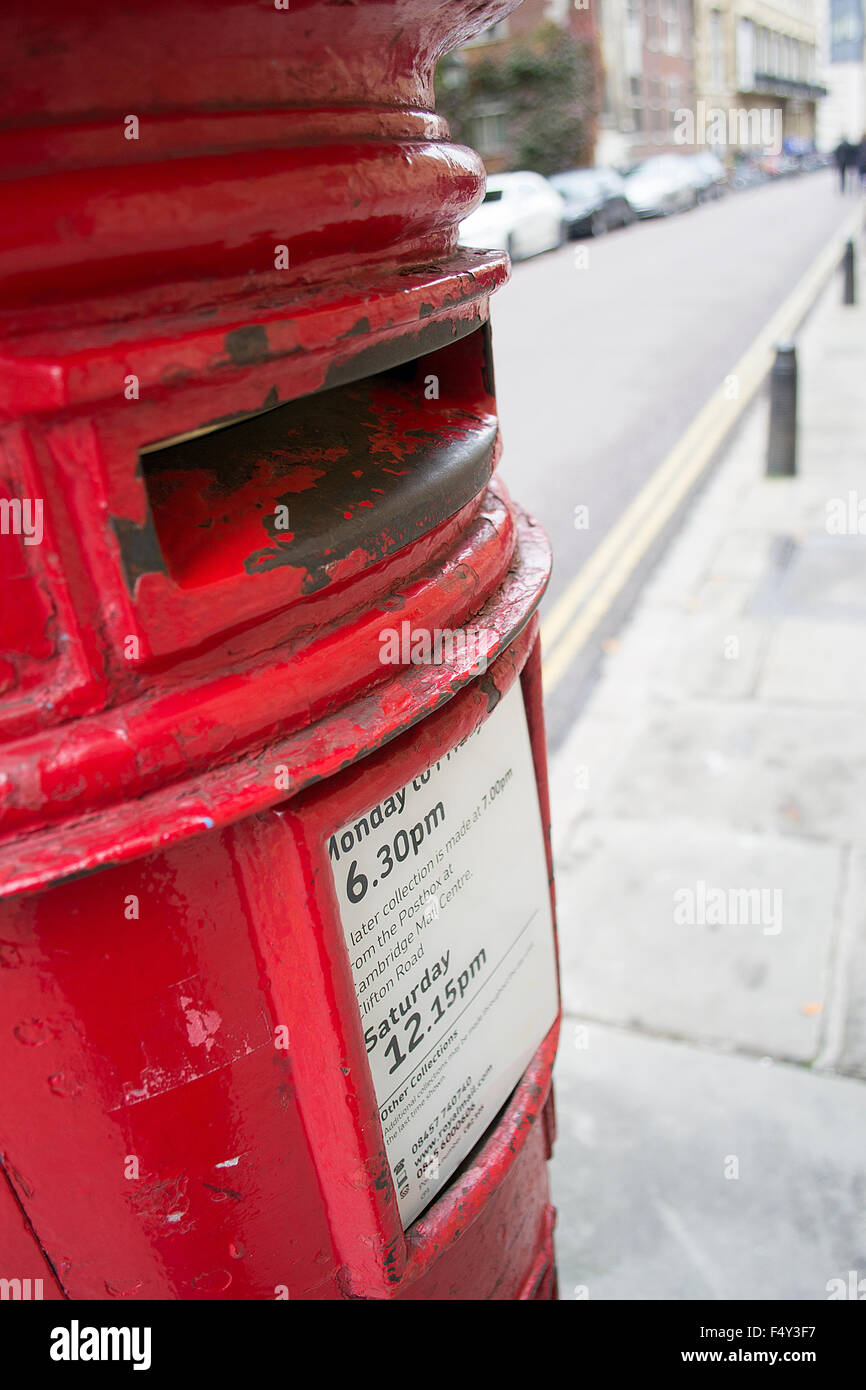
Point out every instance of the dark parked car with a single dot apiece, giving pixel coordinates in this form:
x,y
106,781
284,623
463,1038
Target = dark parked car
x,y
595,200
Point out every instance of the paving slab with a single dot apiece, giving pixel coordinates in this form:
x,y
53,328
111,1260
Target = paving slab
x,y
811,661
781,770
677,928
681,1173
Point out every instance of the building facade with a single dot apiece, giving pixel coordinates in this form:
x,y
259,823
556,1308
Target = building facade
x,y
743,76
842,114
489,128
757,62
648,59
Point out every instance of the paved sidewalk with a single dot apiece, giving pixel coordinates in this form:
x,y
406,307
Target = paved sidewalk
x,y
711,1086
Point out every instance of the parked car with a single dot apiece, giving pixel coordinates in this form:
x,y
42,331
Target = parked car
x,y
521,214
595,200
661,185
708,174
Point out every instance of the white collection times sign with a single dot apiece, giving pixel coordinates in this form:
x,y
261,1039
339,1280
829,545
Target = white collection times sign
x,y
445,906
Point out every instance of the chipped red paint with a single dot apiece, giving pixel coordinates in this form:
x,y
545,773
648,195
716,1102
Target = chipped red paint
x,y
165,648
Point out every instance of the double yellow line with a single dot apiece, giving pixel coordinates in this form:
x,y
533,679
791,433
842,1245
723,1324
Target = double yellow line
x,y
595,587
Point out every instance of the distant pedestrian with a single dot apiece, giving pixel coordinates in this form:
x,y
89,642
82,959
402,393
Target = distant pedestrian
x,y
860,155
842,155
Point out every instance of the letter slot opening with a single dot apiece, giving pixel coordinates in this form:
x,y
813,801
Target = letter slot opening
x,y
368,467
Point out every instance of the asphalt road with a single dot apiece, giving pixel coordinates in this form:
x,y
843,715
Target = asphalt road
x,y
601,366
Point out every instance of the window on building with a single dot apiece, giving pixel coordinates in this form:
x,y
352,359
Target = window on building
x,y
489,35
717,56
635,102
633,55
556,11
671,26
745,55
608,95
452,74
490,131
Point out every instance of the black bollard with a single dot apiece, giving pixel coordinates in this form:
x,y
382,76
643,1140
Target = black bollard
x,y
782,444
850,293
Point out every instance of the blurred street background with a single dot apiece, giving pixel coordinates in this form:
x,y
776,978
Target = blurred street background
x,y
676,182
601,369
709,832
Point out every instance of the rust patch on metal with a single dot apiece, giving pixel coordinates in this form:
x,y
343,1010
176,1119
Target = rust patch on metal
x,y
491,690
139,549
248,345
359,329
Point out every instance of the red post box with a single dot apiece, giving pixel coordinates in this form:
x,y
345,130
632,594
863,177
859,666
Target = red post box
x,y
278,997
